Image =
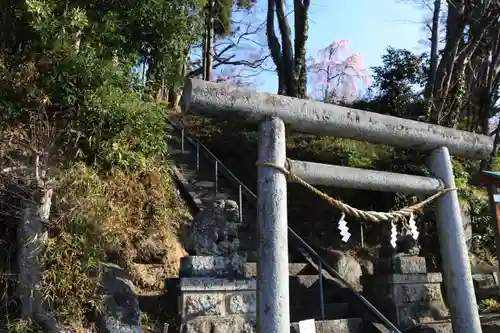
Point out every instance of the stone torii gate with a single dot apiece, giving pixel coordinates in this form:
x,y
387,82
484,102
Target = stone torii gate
x,y
272,112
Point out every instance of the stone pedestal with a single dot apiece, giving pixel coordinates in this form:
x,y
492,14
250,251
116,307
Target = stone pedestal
x,y
404,292
213,284
218,297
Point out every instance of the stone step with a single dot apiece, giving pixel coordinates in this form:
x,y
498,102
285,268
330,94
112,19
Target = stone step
x,y
347,325
313,311
235,266
293,269
437,327
305,289
236,324
299,285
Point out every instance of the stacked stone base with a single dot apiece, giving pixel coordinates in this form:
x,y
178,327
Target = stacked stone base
x,y
207,296
215,296
405,293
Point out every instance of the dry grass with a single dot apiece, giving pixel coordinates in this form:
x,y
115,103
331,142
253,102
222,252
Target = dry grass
x,y
23,326
102,218
95,217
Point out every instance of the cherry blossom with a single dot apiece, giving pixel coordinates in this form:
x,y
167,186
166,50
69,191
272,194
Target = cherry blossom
x,y
338,75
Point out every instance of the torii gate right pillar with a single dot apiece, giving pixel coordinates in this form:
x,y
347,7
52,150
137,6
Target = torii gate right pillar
x,y
462,301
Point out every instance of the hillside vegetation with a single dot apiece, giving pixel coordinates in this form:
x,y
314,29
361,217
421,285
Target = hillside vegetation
x,y
80,134
86,88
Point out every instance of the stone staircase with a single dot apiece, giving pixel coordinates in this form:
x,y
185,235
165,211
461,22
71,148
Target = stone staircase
x,y
218,287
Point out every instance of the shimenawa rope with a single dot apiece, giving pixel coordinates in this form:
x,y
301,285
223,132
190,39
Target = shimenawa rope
x,y
371,216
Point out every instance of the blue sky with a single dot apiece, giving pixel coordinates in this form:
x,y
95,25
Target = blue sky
x,y
370,25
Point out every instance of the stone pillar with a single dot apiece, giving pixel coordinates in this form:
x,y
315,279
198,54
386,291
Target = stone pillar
x,y
404,292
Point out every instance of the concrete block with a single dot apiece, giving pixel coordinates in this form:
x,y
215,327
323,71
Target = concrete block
x,y
213,266
409,293
401,265
204,284
437,327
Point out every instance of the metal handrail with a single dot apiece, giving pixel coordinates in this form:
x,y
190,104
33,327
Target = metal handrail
x,y
323,264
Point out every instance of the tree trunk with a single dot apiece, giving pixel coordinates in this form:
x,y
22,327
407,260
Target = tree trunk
x,y
468,26
204,54
434,51
174,98
290,60
174,93
301,8
287,51
454,35
208,63
275,47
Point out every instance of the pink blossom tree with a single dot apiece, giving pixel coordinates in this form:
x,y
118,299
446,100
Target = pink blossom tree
x,y
338,75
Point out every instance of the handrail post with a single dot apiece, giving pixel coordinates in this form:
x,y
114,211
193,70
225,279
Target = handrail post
x,y
240,202
197,155
273,305
321,295
216,175
457,274
362,235
182,140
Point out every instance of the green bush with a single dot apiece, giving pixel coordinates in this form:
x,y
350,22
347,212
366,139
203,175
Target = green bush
x,y
128,131
95,103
